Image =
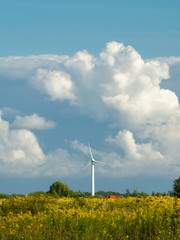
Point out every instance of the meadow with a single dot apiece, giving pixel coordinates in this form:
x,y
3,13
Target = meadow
x,y
46,217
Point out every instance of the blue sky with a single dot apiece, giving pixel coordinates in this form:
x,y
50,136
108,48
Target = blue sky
x,y
106,72
65,27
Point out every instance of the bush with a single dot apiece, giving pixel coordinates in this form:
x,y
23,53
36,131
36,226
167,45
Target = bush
x,y
2,195
176,187
58,189
38,194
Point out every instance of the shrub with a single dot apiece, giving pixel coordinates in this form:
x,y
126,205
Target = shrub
x,y
59,189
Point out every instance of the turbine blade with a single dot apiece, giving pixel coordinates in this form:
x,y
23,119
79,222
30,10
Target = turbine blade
x,y
87,165
90,151
99,162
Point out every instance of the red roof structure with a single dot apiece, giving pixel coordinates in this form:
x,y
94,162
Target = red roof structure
x,y
114,196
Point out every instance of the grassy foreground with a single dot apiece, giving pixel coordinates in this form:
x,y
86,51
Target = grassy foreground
x,y
50,218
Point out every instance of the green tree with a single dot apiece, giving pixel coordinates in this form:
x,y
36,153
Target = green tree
x,y
59,189
143,194
153,193
128,194
176,187
136,193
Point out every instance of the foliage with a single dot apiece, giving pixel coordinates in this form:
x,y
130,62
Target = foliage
x,y
2,195
176,187
59,189
135,193
128,194
133,218
38,194
105,194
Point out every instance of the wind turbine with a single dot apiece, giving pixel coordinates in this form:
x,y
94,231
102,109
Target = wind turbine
x,y
92,171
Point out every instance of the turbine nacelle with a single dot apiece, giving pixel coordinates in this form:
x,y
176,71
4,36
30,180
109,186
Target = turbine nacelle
x,y
92,158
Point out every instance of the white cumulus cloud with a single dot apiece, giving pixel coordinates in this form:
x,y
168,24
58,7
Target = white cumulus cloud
x,y
20,153
56,84
62,163
32,122
134,88
118,86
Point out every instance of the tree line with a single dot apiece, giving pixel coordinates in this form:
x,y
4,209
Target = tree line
x,y
59,189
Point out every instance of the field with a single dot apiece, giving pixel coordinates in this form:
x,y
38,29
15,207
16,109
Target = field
x,y
45,217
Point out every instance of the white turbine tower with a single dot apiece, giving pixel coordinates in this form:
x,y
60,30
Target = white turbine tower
x,y
92,171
